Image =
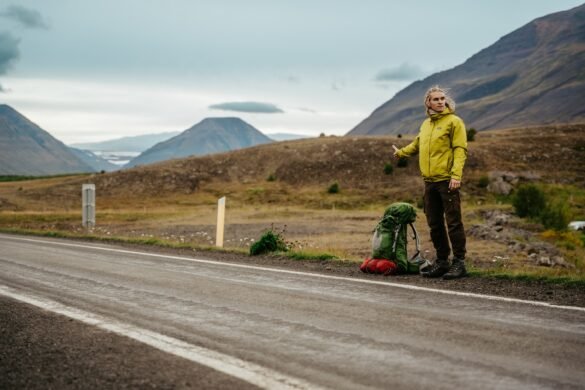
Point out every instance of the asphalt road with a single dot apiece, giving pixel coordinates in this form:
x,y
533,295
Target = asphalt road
x,y
273,328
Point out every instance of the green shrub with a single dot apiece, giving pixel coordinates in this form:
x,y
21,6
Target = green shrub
x,y
333,188
556,216
471,134
4,178
388,168
483,182
255,191
310,256
579,146
402,162
529,201
271,177
16,178
270,241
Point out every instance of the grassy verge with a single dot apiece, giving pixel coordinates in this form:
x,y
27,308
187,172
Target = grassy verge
x,y
118,239
295,255
306,255
74,217
524,276
521,275
8,178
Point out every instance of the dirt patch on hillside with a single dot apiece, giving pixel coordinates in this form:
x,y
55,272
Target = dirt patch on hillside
x,y
556,154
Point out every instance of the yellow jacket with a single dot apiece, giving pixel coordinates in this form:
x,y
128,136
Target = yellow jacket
x,y
442,147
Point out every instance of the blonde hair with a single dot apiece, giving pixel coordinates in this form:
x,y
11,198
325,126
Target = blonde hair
x,y
449,102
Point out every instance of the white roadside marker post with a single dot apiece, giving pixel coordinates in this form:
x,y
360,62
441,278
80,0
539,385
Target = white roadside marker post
x,y
220,222
88,205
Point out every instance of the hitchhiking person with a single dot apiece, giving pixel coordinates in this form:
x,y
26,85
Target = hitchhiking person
x,y
442,147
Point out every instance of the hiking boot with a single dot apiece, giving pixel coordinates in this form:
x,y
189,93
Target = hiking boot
x,y
457,270
435,270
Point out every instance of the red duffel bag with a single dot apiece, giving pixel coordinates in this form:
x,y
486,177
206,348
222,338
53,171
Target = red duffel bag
x,y
379,266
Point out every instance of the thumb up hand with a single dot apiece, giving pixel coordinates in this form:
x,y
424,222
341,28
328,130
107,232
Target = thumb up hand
x,y
396,150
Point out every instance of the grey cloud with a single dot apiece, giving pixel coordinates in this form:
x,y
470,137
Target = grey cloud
x,y
254,107
29,18
403,72
9,52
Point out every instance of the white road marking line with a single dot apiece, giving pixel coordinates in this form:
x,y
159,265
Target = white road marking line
x,y
314,275
246,371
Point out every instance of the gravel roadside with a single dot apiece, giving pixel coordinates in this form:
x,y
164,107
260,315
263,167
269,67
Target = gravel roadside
x,y
535,290
43,350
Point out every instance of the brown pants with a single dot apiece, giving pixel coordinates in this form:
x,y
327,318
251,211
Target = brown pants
x,y
443,204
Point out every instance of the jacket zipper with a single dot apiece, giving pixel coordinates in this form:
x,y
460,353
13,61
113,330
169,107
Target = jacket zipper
x,y
430,143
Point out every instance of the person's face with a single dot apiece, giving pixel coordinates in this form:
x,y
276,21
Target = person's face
x,y
437,101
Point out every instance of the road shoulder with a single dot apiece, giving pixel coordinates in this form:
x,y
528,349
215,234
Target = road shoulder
x,y
44,350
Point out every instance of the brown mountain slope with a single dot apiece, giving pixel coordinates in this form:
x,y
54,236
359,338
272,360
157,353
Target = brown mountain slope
x,y
532,76
211,135
550,153
26,149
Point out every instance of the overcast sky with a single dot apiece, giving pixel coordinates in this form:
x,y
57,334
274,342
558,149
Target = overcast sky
x,y
96,70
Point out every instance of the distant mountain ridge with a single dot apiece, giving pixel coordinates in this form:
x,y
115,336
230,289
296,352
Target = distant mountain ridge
x,y
286,136
532,76
26,149
94,161
211,135
137,143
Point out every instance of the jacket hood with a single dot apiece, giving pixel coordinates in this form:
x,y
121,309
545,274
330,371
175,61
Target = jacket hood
x,y
438,115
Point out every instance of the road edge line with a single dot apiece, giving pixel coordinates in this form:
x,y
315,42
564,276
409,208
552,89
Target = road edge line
x,y
315,275
249,372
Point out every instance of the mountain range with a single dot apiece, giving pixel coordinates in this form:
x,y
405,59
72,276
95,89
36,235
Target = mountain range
x,y
26,149
535,75
532,76
97,163
137,143
140,143
286,136
211,135
119,151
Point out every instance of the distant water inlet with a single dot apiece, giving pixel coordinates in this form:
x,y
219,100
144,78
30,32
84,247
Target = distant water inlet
x,y
119,158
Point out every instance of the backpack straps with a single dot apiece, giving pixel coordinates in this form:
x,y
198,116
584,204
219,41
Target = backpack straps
x,y
396,231
417,258
415,237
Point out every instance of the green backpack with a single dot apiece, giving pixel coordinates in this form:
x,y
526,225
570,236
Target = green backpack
x,y
390,238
